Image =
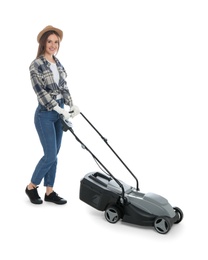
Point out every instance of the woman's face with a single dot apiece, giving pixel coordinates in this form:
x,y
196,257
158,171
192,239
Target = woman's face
x,y
52,45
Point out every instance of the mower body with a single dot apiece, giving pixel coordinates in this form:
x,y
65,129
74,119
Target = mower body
x,y
102,192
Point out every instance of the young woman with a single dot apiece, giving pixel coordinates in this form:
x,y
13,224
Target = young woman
x,y
48,81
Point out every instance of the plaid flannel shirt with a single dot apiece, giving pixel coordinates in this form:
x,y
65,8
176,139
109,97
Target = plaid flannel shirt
x,y
44,85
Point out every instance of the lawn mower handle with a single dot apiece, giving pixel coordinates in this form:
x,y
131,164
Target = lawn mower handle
x,y
106,141
66,125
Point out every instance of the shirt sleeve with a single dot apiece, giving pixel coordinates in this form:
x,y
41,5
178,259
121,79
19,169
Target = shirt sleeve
x,y
64,87
67,96
38,85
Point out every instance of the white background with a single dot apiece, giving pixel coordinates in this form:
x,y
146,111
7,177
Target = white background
x,y
138,72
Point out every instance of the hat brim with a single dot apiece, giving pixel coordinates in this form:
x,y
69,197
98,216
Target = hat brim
x,y
50,28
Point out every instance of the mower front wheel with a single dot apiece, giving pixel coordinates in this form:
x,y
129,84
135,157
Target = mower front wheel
x,y
179,212
162,225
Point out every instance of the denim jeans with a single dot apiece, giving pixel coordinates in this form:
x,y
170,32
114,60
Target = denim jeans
x,y
49,129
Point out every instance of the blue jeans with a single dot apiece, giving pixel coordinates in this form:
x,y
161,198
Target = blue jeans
x,y
49,128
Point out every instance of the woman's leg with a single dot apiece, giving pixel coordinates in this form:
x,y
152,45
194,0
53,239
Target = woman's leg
x,y
48,182
45,126
49,128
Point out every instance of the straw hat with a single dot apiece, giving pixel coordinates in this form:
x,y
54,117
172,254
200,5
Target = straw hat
x,y
50,28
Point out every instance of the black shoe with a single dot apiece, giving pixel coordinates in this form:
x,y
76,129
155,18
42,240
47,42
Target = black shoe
x,y
33,196
53,197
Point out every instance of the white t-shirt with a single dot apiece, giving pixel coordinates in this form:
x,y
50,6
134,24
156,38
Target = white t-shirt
x,y
54,69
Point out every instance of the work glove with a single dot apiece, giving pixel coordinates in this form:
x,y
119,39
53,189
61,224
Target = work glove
x,y
74,111
62,111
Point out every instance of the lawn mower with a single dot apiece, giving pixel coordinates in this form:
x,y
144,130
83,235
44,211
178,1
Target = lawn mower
x,y
118,200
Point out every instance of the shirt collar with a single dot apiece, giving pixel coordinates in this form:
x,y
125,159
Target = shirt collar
x,y
47,62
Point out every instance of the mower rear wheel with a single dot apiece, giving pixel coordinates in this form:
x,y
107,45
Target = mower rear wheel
x,y
112,214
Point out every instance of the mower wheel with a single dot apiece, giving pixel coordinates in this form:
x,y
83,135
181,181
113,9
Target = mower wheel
x,y
162,225
180,214
112,214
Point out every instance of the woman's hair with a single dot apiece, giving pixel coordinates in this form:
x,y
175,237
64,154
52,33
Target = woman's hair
x,y
43,40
